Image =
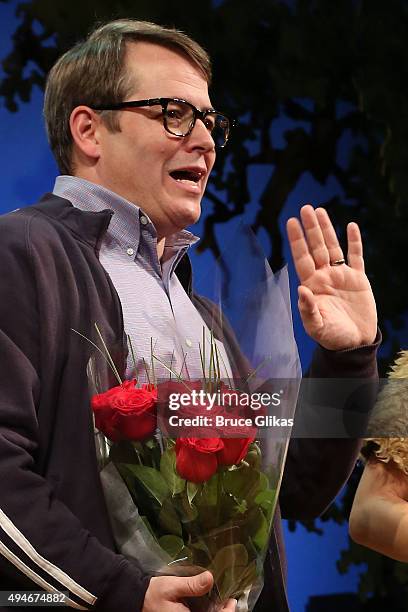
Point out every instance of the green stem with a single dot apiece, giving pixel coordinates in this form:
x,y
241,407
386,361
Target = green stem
x,y
258,368
107,353
178,376
108,358
129,340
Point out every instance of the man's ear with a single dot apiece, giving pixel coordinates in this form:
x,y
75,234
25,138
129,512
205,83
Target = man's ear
x,y
84,124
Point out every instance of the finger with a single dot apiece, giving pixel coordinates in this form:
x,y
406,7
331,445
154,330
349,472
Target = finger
x,y
310,313
302,259
314,236
355,247
191,586
166,606
174,607
329,235
230,606
160,595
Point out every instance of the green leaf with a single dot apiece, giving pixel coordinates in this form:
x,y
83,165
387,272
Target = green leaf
x,y
186,555
187,510
201,545
151,480
168,519
209,492
248,576
266,499
244,483
259,529
169,472
172,545
228,558
236,579
263,481
192,490
201,554
122,452
127,476
241,506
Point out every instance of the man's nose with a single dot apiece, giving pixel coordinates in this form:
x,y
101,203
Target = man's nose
x,y
200,137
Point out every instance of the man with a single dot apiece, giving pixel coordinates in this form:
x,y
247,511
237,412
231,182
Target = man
x,y
111,240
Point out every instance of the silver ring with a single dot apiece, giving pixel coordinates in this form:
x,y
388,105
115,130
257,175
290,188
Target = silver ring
x,y
338,262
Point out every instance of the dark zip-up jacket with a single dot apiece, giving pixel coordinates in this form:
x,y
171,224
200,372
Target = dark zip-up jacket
x,y
54,528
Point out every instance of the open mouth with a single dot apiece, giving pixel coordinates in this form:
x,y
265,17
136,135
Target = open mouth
x,y
187,176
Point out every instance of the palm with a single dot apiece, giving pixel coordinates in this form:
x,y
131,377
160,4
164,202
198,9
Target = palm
x,y
335,302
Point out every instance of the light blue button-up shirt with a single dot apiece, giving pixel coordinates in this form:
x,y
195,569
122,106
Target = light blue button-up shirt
x,y
157,311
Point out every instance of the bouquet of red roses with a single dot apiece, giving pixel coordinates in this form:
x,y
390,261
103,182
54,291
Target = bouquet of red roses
x,y
192,485
203,502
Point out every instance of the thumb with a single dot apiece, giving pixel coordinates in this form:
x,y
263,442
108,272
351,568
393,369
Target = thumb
x,y
309,311
194,586
306,300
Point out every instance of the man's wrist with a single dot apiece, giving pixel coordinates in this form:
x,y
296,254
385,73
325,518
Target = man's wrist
x,y
374,342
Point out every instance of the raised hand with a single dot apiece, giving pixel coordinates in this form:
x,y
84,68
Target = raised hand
x,y
336,302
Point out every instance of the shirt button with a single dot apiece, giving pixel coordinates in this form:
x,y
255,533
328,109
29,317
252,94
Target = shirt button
x,y
189,343
143,220
130,252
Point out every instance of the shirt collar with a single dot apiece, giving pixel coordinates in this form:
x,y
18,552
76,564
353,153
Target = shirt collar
x,y
125,225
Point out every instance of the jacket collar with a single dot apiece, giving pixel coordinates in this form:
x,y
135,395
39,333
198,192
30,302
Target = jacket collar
x,y
91,227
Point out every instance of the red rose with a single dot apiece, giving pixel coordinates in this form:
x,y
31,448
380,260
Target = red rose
x,y
236,438
196,458
126,412
230,397
176,387
150,388
234,450
191,406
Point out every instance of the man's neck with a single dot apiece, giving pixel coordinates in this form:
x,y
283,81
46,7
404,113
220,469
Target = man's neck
x,y
160,247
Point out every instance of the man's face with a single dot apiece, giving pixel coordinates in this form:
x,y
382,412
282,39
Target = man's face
x,y
142,161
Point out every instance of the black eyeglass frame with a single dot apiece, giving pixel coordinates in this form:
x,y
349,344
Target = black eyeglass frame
x,y
164,102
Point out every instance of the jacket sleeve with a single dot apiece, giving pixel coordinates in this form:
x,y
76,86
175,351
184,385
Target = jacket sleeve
x,y
317,467
42,544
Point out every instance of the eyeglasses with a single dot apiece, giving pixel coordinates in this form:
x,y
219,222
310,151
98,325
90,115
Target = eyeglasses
x,y
179,117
